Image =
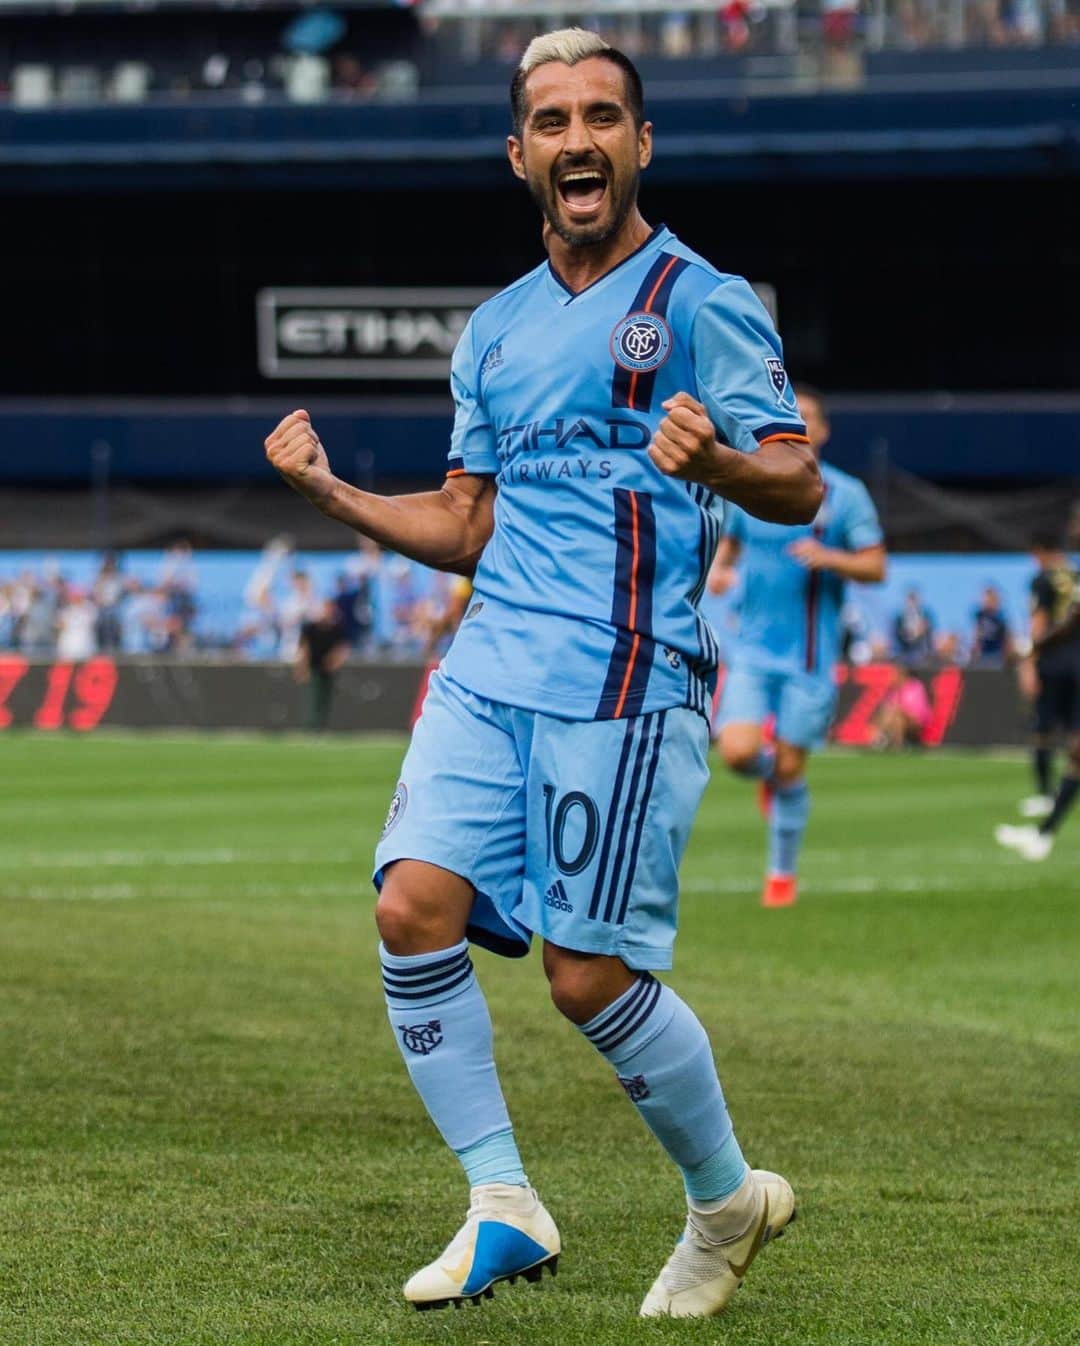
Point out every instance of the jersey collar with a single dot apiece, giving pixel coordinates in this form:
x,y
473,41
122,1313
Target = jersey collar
x,y
561,292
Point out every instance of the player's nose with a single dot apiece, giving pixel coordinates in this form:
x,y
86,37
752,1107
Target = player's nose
x,y
578,138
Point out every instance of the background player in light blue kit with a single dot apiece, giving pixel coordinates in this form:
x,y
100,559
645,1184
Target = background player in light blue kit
x,y
789,642
605,404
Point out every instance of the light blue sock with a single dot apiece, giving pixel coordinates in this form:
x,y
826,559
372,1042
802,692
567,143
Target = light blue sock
x,y
762,765
663,1061
442,1026
787,823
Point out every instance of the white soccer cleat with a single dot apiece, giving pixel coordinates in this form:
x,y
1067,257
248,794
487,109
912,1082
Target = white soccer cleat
x,y
700,1276
507,1233
1027,841
1036,806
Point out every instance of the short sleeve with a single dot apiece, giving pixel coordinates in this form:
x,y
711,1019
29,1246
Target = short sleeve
x,y
739,363
1042,594
861,525
472,440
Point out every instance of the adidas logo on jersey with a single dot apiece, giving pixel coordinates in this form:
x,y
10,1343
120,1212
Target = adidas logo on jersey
x,y
556,897
492,360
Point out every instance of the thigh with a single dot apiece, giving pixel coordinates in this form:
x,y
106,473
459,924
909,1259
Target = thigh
x,y
460,804
805,711
748,697
610,805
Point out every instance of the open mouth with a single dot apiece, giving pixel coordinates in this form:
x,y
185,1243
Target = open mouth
x,y
582,190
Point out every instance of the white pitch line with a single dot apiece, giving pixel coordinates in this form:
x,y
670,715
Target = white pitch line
x,y
223,855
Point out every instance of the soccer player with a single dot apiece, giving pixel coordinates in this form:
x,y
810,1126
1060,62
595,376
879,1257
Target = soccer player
x,y
789,642
605,404
1053,674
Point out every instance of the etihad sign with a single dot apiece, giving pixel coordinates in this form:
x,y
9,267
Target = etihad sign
x,y
361,334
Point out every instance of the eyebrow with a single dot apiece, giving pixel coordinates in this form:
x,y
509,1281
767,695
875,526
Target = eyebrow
x,y
555,111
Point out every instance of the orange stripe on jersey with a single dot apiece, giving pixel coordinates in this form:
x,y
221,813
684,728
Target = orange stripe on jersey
x,y
799,439
626,681
456,472
659,282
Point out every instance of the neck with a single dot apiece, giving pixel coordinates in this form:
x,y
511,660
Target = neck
x,y
580,267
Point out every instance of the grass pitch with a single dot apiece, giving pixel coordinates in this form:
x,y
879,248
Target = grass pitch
x,y
207,1136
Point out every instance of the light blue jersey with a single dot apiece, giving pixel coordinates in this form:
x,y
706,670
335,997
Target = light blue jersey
x,y
790,619
586,597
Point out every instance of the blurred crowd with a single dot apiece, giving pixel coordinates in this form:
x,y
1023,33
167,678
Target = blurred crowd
x,y
386,608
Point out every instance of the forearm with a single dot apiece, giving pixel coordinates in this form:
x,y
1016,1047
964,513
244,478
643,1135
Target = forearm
x,y
863,567
432,527
780,483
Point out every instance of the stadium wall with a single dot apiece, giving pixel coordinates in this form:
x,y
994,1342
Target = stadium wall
x,y
970,707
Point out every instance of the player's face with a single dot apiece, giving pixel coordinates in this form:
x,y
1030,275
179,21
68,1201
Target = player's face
x,y
817,425
580,152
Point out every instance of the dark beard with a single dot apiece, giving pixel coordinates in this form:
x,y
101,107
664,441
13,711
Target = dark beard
x,y
586,236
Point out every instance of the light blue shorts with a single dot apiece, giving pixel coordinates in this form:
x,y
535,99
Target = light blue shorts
x,y
570,830
802,703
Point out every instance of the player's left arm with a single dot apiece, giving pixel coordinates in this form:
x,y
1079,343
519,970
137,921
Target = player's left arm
x,y
1058,635
861,555
867,565
740,433
780,482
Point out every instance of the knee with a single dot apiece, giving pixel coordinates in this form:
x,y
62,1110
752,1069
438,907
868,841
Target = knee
x,y
411,920
790,767
583,986
739,754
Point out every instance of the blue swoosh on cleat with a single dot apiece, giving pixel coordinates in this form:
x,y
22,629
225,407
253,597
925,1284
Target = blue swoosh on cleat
x,y
501,1250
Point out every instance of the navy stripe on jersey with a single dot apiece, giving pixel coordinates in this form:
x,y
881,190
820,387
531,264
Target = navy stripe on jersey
x,y
633,388
631,606
612,817
455,464
639,827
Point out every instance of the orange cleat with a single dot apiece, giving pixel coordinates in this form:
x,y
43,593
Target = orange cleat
x,y
780,890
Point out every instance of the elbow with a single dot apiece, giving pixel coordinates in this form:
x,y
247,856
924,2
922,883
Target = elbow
x,y
806,493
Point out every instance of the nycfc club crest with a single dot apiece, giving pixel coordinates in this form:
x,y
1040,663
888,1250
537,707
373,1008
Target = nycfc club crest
x,y
421,1038
641,342
396,809
637,1089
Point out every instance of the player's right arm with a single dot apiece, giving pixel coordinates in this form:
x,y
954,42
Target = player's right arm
x,y
446,529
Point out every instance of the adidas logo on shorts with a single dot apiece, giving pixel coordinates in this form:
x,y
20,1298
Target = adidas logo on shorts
x,y
556,897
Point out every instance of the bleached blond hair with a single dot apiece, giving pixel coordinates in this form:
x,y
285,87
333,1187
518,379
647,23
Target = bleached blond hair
x,y
568,46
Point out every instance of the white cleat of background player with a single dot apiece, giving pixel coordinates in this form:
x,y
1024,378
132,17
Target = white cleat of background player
x,y
1027,841
1036,806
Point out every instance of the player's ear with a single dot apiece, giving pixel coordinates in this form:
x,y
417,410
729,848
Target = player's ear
x,y
516,156
645,145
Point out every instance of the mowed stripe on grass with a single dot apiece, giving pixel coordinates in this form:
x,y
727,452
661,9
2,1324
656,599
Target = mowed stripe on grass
x,y
207,1134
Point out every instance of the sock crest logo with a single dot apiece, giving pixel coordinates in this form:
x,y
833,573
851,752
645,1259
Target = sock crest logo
x,y
421,1038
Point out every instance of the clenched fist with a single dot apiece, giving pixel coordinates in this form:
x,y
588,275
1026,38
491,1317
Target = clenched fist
x,y
296,451
685,443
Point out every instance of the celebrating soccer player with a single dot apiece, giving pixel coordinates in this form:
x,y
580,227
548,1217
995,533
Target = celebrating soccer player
x,y
789,642
606,404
